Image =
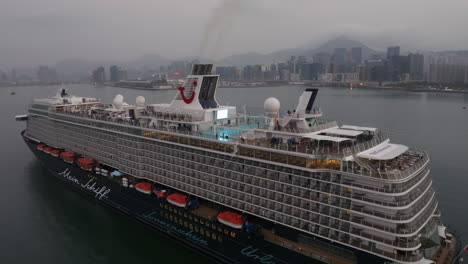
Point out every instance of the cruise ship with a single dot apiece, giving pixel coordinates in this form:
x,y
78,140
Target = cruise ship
x,y
282,187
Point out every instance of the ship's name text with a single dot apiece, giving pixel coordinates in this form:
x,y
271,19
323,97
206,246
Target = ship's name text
x,y
251,253
100,192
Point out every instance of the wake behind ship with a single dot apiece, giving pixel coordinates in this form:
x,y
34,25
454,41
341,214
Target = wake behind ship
x,y
271,189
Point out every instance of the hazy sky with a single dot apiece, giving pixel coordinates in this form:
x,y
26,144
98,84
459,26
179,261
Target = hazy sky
x,y
46,31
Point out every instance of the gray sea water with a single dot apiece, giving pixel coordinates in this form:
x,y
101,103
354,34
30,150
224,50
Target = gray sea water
x,y
42,221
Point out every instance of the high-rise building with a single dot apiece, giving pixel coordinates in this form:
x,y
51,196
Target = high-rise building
x,y
339,56
375,71
324,59
117,73
99,75
341,61
122,74
416,66
394,63
228,73
447,73
393,51
114,73
311,71
299,62
356,55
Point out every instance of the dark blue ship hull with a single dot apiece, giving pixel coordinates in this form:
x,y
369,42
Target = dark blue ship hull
x,y
210,238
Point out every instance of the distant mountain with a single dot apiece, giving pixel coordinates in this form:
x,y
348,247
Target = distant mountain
x,y
151,61
246,59
283,55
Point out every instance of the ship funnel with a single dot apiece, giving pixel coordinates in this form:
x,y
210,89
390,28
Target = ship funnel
x,y
306,101
198,90
202,69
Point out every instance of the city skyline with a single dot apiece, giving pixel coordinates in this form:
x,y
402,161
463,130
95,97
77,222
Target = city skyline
x,y
50,30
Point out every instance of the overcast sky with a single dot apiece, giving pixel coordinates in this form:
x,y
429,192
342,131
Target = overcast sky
x,y
46,31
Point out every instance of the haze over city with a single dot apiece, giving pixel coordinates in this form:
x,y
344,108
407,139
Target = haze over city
x,y
45,32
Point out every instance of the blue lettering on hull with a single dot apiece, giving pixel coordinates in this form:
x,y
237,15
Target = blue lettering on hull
x,y
188,234
251,253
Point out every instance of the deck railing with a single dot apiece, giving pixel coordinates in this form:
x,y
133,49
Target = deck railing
x,y
264,143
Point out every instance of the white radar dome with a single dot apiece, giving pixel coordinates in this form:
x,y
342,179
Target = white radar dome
x,y
140,101
118,101
271,105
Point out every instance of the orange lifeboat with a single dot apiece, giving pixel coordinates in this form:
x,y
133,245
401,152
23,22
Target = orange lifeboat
x,y
178,199
68,157
40,147
143,187
85,163
47,149
55,152
231,219
161,193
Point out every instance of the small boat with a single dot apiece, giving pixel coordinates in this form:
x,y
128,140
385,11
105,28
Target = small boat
x,y
161,193
85,163
41,147
116,173
104,172
231,219
13,93
55,152
47,149
178,199
125,182
143,187
68,157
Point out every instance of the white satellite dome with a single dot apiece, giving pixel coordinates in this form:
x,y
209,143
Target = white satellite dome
x,y
271,105
118,101
140,101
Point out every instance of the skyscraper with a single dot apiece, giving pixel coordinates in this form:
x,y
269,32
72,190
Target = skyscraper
x,y
393,58
356,55
393,51
114,73
99,75
416,66
324,59
311,71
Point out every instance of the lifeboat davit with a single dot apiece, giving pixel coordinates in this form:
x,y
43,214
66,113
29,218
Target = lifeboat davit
x,y
161,193
40,147
47,149
143,187
85,163
231,219
178,199
68,157
55,152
